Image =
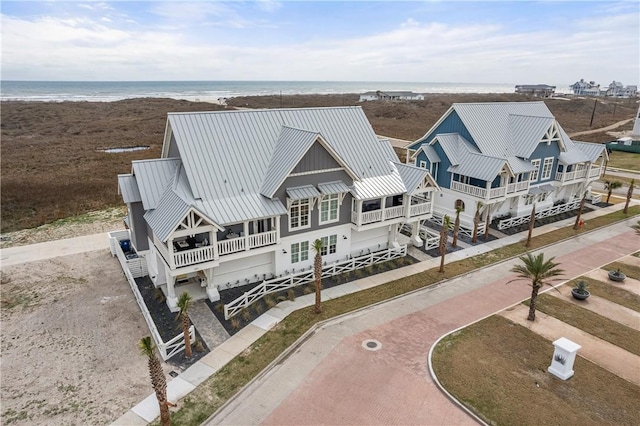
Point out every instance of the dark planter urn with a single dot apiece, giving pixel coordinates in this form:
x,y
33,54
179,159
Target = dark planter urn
x,y
617,276
580,294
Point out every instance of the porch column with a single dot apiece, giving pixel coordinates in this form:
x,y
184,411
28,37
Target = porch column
x,y
246,236
213,240
488,189
277,228
415,234
406,202
172,300
171,261
211,289
382,207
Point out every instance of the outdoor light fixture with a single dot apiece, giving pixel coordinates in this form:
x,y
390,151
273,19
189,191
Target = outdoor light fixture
x,y
344,237
284,251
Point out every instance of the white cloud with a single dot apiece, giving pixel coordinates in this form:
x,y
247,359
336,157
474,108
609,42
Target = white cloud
x,y
83,48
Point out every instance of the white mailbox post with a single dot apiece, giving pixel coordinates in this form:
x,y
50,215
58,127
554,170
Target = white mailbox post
x,y
564,356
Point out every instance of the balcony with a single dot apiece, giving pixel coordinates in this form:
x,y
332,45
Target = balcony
x,y
573,176
420,209
234,244
501,191
192,256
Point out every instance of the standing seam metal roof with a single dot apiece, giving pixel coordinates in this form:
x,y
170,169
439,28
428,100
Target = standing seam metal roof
x,y
129,188
153,177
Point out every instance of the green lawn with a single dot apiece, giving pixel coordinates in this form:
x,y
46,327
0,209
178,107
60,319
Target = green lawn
x,y
624,160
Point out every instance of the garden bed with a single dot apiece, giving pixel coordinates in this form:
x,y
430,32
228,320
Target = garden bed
x,y
259,307
167,323
539,222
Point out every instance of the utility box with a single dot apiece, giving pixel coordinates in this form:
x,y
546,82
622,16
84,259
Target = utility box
x,y
564,356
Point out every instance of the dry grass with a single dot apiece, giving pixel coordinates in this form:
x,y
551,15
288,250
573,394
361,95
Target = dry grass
x,y
613,292
493,366
624,160
51,168
611,331
631,271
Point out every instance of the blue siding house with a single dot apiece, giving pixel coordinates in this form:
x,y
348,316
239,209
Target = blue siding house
x,y
503,158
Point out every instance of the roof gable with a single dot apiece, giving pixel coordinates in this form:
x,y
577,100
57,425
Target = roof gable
x,y
153,177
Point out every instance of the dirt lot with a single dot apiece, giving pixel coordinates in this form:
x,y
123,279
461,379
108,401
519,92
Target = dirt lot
x,y
70,328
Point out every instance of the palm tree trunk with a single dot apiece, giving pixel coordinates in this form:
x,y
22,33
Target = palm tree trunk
x,y
160,387
456,229
486,227
576,225
609,195
317,267
629,195
441,270
532,305
187,335
165,415
532,223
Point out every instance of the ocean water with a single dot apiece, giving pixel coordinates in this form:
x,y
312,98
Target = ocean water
x,y
213,91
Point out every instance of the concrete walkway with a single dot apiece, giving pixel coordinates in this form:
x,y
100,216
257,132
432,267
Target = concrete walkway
x,y
50,249
608,356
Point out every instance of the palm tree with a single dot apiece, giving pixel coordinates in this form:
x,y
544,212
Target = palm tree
x,y
532,223
157,378
444,234
629,194
317,272
636,227
476,222
456,225
610,186
539,272
576,225
486,223
183,303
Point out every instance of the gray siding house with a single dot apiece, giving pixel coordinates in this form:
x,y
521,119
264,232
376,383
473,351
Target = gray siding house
x,y
239,196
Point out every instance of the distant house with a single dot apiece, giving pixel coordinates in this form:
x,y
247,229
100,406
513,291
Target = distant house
x,y
539,90
509,156
391,96
584,88
617,89
239,197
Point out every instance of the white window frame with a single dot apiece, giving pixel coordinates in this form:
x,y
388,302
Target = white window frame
x,y
423,164
534,174
332,213
296,213
299,252
329,245
547,168
528,199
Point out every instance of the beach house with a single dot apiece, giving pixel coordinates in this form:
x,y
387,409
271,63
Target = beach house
x,y
239,197
391,96
509,156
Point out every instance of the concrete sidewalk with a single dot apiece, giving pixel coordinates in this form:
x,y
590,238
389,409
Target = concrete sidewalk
x,y
147,410
50,249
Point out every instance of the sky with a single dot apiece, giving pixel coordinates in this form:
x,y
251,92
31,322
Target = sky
x,y
515,42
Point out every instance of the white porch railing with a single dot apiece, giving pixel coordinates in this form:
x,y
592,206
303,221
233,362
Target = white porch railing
x,y
596,198
595,172
393,212
283,283
431,238
464,228
366,217
173,346
498,192
476,191
231,245
571,176
551,211
262,239
190,257
419,209
517,187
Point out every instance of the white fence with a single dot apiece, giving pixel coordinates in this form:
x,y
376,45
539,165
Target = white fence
x,y
464,229
173,346
283,283
551,211
136,265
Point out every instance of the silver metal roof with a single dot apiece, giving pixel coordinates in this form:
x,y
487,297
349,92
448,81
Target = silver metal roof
x,y
128,187
337,187
467,160
593,151
153,177
518,165
533,190
431,153
413,176
166,217
302,192
289,149
489,124
526,132
227,155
